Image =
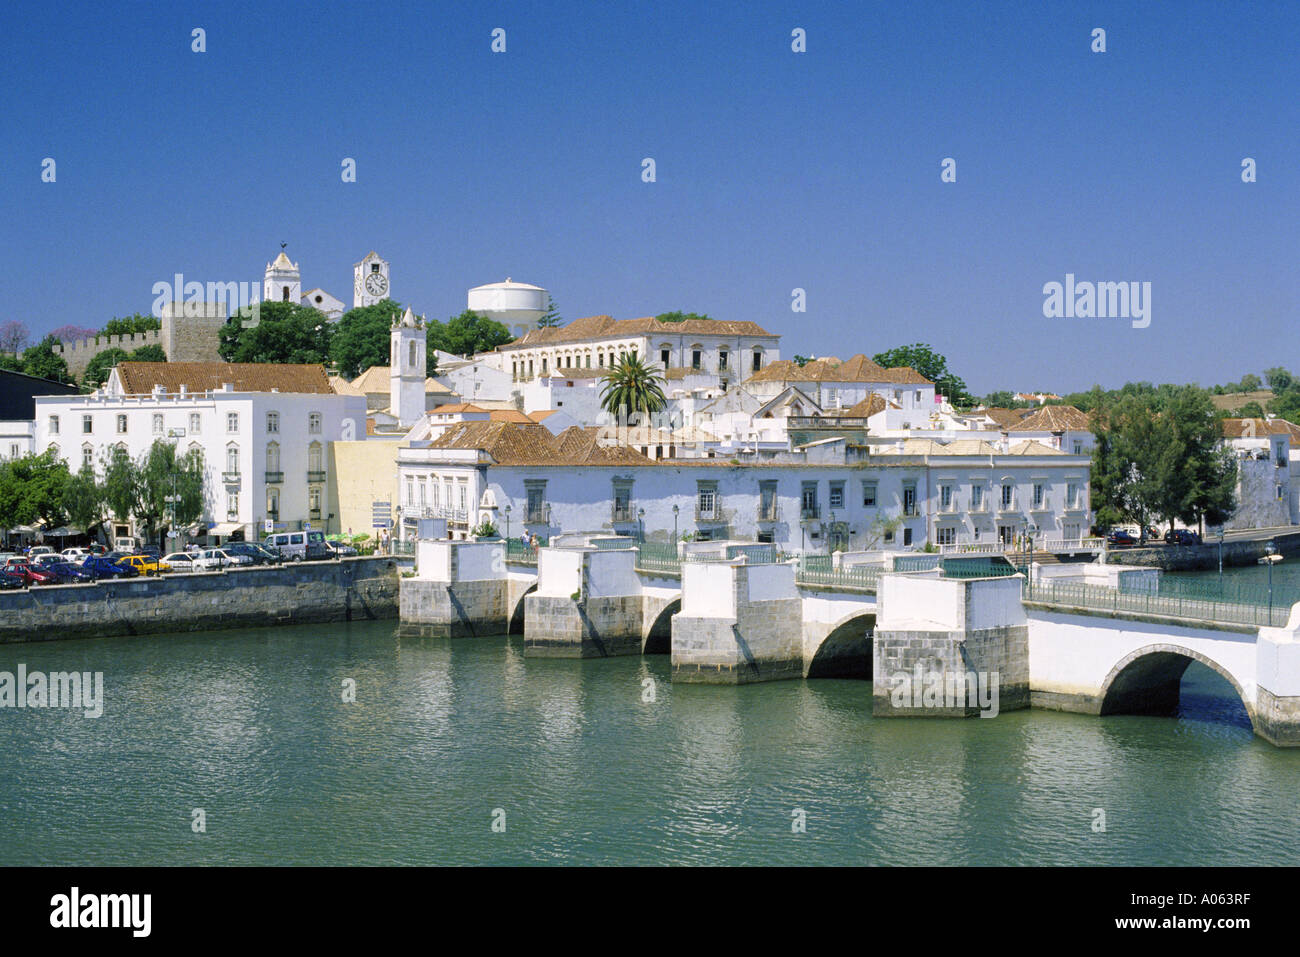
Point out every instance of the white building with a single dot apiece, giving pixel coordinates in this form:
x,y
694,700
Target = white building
x,y
370,280
823,496
1268,455
834,384
282,282
264,431
322,301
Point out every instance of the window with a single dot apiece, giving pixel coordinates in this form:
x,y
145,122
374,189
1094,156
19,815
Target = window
x,y
194,423
285,295
313,500
87,424
600,360
868,494
273,462
121,425
945,497
808,499
54,425
706,500
435,490
424,493
410,490
758,359
1008,495
837,495
977,498
461,489
663,357
1279,493
1038,495
696,356
313,423
273,421
87,457
232,506
54,452
1006,535
543,366
722,360
315,460
907,537
232,459
410,354
273,504
909,501
1078,447
1072,494
157,423
232,421
946,536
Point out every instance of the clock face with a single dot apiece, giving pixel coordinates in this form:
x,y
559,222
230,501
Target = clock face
x,y
376,284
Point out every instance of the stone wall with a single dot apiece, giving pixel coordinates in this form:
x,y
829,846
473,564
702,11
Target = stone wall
x,y
592,627
439,609
78,354
347,590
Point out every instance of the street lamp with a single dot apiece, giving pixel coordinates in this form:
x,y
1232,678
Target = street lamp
x,y
675,510
507,522
1220,537
640,520
1272,557
1030,529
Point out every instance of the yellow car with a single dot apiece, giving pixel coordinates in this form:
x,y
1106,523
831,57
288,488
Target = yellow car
x,y
145,565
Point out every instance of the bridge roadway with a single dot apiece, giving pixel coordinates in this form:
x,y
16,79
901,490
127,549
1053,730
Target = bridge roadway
x,y
1092,650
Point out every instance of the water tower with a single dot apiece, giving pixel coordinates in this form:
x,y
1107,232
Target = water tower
x,y
516,305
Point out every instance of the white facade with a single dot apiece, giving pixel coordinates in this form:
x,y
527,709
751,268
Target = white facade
x,y
578,396
406,369
17,438
282,282
370,281
477,379
266,453
321,300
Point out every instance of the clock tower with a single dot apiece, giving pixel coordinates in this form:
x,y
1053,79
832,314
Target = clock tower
x,y
370,280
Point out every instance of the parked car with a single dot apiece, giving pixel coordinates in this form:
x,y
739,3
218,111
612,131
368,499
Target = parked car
x,y
96,549
11,580
66,573
39,550
255,553
74,554
1118,538
46,558
212,558
145,564
341,549
1182,536
150,551
125,544
180,561
102,567
31,574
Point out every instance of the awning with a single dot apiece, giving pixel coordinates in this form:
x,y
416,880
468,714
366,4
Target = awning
x,y
226,528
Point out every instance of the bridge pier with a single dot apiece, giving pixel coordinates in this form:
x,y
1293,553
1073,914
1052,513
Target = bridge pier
x,y
460,591
588,604
949,647
738,624
1277,701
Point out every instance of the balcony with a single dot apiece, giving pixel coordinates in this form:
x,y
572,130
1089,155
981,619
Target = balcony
x,y
230,478
948,507
712,513
769,513
315,476
274,478
537,515
1007,505
810,512
622,514
1043,504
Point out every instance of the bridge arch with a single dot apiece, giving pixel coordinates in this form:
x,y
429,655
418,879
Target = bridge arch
x,y
846,651
1148,681
515,624
659,637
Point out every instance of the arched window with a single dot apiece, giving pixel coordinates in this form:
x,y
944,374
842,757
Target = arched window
x,y
315,461
87,456
272,460
232,459
286,294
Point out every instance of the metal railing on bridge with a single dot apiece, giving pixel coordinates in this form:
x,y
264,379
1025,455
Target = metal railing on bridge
x,y
1245,607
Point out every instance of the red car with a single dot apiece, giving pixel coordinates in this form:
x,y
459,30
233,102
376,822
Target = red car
x,y
30,574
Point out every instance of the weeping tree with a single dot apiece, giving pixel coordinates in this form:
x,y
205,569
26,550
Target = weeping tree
x,y
83,498
631,386
160,489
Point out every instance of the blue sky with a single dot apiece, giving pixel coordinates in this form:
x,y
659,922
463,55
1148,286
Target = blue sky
x,y
775,170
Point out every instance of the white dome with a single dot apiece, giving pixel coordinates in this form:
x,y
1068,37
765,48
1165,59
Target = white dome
x,y
511,303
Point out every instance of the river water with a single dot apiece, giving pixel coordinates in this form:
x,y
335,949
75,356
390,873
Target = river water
x,y
446,737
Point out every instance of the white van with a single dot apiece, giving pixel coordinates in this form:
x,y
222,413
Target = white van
x,y
296,546
126,543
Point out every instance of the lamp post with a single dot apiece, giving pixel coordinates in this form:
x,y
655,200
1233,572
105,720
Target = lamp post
x,y
675,510
507,522
1220,537
1030,529
640,521
1271,556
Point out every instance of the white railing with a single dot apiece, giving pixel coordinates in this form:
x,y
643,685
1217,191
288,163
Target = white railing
x,y
1040,545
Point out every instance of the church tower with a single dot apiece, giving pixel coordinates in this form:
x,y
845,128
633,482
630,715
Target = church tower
x,y
370,280
406,372
282,282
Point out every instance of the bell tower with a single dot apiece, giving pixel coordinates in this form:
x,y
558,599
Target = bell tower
x,y
370,280
406,372
282,282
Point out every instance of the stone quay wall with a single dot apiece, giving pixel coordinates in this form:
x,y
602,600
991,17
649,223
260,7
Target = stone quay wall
x,y
352,589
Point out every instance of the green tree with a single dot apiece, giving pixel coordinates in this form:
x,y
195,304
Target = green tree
x,y
1279,379
1249,383
43,362
119,483
284,332
467,334
361,338
631,386
930,364
679,316
802,361
149,353
131,325
168,488
32,489
11,363
83,500
1251,410
552,317
100,365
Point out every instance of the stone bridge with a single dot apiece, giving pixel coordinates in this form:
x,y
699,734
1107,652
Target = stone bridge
x,y
729,622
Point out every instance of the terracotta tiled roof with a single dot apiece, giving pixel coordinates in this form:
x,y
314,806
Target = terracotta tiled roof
x,y
1005,418
867,407
857,368
607,327
1053,418
1033,448
508,415
512,443
378,380
457,407
574,373
139,378
1257,428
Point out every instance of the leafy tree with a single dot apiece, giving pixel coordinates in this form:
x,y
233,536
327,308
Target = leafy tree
x,y
155,487
119,483
679,316
802,361
1249,383
83,500
1251,410
361,338
32,489
930,364
552,317
11,363
1279,379
285,332
98,368
13,336
467,334
131,324
881,526
43,362
150,353
632,386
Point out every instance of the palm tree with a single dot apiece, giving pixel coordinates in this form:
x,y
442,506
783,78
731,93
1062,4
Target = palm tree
x,y
632,386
